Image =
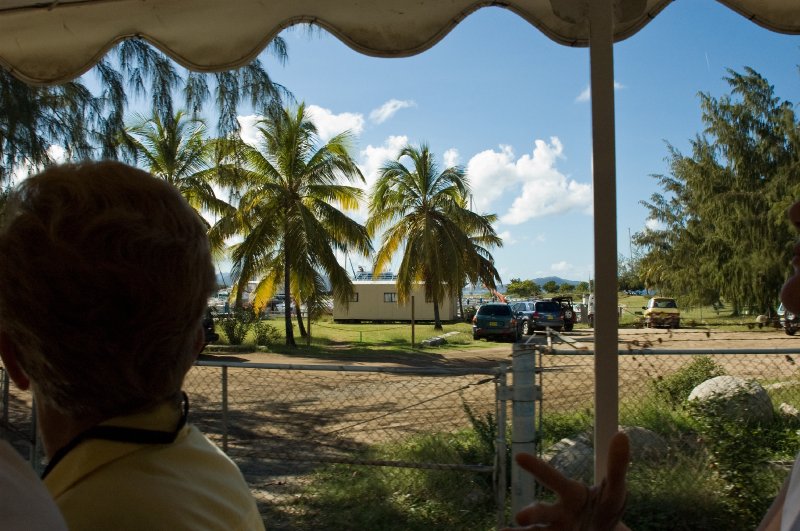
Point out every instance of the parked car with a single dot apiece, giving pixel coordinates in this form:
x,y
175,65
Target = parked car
x,y
567,312
208,327
495,319
539,315
789,321
662,311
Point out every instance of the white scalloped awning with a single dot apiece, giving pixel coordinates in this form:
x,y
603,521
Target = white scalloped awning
x,y
51,42
55,41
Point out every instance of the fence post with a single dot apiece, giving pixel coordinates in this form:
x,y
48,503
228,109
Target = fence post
x,y
225,409
523,429
502,394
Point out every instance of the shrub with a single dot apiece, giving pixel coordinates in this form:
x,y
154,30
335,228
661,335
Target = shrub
x,y
265,333
675,388
237,324
557,426
344,497
738,451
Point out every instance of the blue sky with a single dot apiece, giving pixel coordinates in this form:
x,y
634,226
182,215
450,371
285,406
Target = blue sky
x,y
500,98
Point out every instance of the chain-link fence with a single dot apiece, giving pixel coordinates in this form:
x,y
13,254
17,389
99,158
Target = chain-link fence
x,y
302,435
328,446
410,448
707,457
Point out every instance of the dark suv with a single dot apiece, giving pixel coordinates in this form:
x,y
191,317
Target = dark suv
x,y
493,320
208,327
567,311
538,315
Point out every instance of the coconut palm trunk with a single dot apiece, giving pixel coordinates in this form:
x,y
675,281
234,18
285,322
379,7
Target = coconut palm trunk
x,y
287,306
300,325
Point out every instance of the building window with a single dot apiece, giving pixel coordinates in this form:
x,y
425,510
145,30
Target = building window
x,y
354,297
390,297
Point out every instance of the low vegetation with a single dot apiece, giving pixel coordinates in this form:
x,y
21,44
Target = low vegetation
x,y
715,475
243,329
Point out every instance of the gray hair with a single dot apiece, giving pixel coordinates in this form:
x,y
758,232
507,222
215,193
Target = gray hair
x,y
105,273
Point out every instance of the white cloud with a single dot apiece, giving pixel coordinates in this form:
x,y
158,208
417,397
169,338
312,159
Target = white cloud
x,y
328,124
451,157
507,238
544,189
370,160
57,153
561,267
389,109
490,174
586,94
654,224
247,128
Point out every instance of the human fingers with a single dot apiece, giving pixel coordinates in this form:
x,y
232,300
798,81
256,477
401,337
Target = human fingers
x,y
540,513
565,488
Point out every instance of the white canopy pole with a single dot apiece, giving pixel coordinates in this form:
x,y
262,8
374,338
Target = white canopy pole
x,y
601,56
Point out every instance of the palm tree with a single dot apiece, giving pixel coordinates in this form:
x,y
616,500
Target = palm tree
x,y
288,215
424,212
175,148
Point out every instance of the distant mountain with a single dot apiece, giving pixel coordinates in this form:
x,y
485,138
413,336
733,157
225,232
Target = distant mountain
x,y
557,280
223,279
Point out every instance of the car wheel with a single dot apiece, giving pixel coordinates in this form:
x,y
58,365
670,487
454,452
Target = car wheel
x,y
475,336
568,327
526,328
790,330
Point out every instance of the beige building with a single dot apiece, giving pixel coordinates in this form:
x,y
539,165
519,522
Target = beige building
x,y
377,301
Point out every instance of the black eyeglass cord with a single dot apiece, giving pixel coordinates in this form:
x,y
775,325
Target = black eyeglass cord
x,y
121,434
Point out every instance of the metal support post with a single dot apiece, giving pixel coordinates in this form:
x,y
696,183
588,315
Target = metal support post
x,y
500,450
225,409
523,431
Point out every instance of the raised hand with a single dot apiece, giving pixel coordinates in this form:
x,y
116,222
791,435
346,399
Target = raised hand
x,y
579,507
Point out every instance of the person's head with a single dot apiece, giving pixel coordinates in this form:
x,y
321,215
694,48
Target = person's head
x,y
790,294
105,273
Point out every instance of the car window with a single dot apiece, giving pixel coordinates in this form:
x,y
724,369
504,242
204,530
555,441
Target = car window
x,y
669,303
547,306
494,309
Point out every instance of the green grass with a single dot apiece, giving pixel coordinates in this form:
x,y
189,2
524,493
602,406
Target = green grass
x,y
704,317
338,340
328,336
344,497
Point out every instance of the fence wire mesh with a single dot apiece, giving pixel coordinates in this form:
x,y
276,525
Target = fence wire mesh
x,y
713,462
325,445
301,435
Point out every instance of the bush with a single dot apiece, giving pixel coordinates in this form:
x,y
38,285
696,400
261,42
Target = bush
x,y
265,333
469,313
675,388
738,452
408,499
237,324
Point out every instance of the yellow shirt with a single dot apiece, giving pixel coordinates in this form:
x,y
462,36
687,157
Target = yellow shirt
x,y
188,484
